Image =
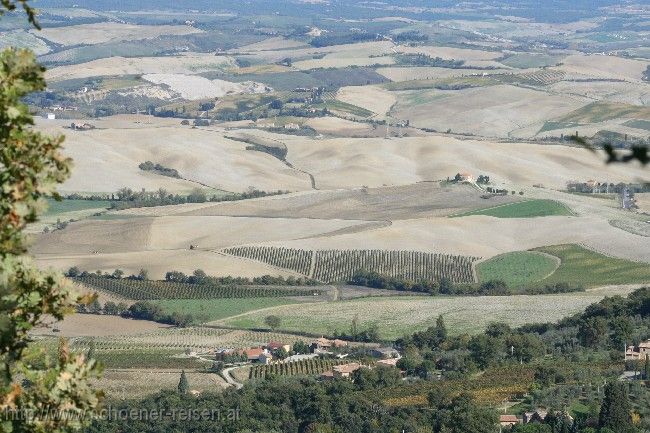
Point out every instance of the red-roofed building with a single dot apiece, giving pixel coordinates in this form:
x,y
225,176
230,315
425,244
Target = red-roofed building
x,y
508,420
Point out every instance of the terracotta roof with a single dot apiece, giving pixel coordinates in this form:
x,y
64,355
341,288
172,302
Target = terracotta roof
x,y
254,352
508,418
391,362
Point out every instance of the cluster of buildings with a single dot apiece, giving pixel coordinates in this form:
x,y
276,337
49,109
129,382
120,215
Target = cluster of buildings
x,y
638,353
536,416
266,354
81,126
262,354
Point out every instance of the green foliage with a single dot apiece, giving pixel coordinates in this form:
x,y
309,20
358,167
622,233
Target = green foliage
x,y
153,290
615,410
517,268
524,209
205,310
183,384
582,267
32,164
272,322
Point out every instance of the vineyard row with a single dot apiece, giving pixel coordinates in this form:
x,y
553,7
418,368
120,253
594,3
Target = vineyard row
x,y
331,266
150,290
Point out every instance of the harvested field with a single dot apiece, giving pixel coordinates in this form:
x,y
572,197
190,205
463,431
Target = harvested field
x,y
23,39
485,236
603,111
372,98
467,55
177,233
106,160
81,325
633,93
183,64
599,66
399,74
337,127
397,316
338,60
140,383
351,163
271,44
158,263
643,201
421,200
493,111
98,33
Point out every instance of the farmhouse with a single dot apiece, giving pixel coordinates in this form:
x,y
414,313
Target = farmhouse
x,y
509,420
638,353
274,345
81,126
464,177
323,344
341,371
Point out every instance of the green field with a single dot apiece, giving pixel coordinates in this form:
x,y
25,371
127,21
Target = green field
x,y
524,209
55,208
530,60
214,309
398,316
583,267
517,268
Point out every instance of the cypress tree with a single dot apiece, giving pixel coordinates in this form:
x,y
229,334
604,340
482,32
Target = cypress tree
x,y
183,385
647,367
615,410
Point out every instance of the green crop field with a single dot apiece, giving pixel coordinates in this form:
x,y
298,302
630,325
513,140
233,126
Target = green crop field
x,y
55,208
580,266
398,316
517,268
215,309
524,209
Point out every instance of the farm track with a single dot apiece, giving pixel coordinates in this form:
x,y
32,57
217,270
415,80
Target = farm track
x,y
225,373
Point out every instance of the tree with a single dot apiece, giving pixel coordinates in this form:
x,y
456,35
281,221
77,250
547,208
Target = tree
x,y
272,322
110,308
646,368
32,166
183,384
615,410
300,347
592,331
73,272
95,307
441,330
143,275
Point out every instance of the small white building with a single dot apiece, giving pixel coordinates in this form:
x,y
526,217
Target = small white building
x,y
50,116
